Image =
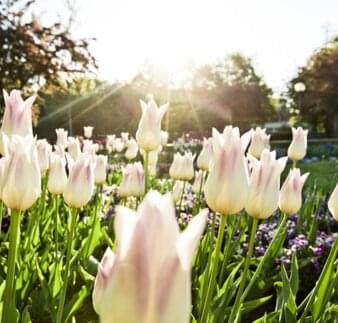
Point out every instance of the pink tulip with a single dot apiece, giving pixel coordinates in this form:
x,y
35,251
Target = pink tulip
x,y
148,278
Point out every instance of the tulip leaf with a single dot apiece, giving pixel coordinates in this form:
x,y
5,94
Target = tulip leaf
x,y
75,303
294,278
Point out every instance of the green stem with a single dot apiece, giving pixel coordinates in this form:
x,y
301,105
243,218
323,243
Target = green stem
x,y
9,309
146,171
207,271
313,293
67,268
231,231
294,163
56,228
181,199
266,255
245,271
200,190
92,229
214,268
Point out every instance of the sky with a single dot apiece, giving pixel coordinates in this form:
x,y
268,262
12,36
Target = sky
x,y
279,35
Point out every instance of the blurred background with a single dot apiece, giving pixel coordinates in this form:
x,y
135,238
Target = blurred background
x,y
246,63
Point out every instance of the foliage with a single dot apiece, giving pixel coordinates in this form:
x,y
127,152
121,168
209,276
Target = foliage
x,y
318,106
34,55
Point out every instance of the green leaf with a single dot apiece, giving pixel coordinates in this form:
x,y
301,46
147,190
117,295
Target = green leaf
x,y
75,303
294,278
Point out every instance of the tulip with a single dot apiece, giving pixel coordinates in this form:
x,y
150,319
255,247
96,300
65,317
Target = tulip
x,y
297,148
198,183
152,162
125,137
178,191
17,119
43,149
290,197
88,131
182,167
100,168
145,281
74,148
132,149
264,184
206,154
80,184
22,186
226,188
119,145
148,134
90,148
110,143
132,180
60,150
57,177
4,141
333,203
3,174
259,142
61,140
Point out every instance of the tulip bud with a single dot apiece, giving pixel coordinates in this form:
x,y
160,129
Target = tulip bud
x,y
178,191
88,131
22,186
125,137
148,134
80,184
205,155
259,142
100,168
264,184
333,203
226,188
290,197
57,177
132,180
297,149
43,149
146,281
110,143
182,167
132,149
119,145
61,140
17,119
60,150
74,148
198,183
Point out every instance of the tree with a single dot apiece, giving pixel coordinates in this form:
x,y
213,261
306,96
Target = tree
x,y
318,105
32,55
237,93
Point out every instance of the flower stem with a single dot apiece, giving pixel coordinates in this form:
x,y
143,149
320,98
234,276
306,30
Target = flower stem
x,y
231,232
245,271
9,308
56,223
181,199
200,190
262,263
206,301
67,268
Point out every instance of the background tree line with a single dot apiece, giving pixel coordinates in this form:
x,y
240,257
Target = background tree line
x,y
61,69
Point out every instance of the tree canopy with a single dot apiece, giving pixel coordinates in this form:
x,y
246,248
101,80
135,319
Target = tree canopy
x,y
318,105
